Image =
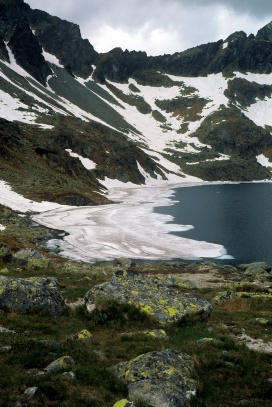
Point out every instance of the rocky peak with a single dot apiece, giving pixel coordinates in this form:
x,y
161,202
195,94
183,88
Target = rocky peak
x,y
63,39
118,65
237,36
265,33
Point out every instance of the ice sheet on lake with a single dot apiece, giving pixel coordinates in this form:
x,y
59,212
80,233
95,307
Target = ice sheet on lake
x,y
128,229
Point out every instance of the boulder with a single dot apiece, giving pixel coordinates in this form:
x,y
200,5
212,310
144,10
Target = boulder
x,y
84,336
32,258
159,378
124,403
31,295
167,304
65,362
256,269
31,391
223,297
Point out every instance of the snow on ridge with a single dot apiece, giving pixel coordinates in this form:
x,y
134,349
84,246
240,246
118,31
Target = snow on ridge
x,y
86,162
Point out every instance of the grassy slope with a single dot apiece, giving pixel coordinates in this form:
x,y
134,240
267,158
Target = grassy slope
x,y
227,370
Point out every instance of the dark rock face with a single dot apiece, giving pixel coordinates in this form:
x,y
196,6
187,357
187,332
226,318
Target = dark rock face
x,y
3,50
28,52
15,30
63,39
251,54
118,65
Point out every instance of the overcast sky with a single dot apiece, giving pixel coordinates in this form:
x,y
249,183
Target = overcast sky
x,y
158,26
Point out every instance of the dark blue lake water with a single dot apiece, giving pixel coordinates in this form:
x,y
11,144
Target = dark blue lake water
x,y
237,216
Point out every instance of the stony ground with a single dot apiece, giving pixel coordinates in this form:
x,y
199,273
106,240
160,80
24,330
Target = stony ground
x,y
67,359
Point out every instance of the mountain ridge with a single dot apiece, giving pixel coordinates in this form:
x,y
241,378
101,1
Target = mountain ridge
x,y
200,114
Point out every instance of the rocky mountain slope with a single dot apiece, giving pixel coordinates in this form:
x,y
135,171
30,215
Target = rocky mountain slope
x,y
72,118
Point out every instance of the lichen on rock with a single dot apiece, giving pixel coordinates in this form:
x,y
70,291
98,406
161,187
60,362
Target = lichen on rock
x,y
83,335
31,295
153,333
256,269
65,362
162,379
32,258
165,303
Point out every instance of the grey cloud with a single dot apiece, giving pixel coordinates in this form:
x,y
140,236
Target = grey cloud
x,y
259,8
190,22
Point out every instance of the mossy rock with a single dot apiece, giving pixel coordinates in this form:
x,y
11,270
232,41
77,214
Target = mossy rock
x,y
84,336
159,378
33,259
163,302
124,403
256,269
153,333
31,296
65,362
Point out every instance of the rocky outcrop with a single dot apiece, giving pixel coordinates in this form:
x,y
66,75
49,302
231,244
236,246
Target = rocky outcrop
x,y
16,32
166,304
239,53
31,296
159,378
63,39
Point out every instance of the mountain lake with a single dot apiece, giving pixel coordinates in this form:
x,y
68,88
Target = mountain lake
x,y
237,216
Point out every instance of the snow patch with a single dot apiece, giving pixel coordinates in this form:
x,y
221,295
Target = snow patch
x,y
52,59
17,202
86,162
260,78
264,161
2,227
222,157
9,109
260,112
13,64
225,45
